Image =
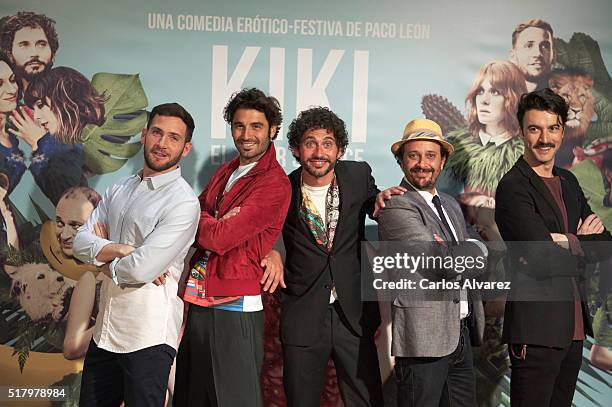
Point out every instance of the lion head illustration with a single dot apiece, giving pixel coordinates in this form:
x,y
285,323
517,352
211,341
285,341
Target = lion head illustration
x,y
575,87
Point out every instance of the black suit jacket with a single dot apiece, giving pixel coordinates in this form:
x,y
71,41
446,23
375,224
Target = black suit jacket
x,y
527,212
309,268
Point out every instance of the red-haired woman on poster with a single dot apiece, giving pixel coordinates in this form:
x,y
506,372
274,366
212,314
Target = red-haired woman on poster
x,y
489,147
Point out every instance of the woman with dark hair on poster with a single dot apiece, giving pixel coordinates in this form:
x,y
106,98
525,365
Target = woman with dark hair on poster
x,y
64,102
11,237
12,164
11,157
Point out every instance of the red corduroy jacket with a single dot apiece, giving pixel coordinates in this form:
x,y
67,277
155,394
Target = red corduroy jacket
x,y
238,244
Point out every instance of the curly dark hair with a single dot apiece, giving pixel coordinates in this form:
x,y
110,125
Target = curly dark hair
x,y
545,100
12,24
255,99
317,118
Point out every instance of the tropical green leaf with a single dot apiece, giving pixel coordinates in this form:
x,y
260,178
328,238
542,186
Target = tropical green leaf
x,y
113,148
54,334
603,106
26,335
125,92
592,184
124,128
598,130
29,332
108,147
72,383
481,167
23,357
19,257
602,128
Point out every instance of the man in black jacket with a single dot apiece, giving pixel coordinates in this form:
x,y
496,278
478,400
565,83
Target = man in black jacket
x,y
546,318
322,313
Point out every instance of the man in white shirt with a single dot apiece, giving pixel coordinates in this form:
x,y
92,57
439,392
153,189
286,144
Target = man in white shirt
x,y
139,236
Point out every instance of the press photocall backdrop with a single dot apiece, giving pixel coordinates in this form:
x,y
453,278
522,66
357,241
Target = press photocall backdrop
x,y
376,64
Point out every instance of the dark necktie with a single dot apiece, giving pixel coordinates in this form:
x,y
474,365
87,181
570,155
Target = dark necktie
x,y
438,205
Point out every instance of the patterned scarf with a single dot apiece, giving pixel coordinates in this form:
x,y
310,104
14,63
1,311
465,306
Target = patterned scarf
x,y
309,214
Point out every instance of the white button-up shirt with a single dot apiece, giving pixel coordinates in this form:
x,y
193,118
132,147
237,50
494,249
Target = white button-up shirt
x,y
159,216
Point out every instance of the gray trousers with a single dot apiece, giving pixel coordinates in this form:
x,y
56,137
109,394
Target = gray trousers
x,y
219,360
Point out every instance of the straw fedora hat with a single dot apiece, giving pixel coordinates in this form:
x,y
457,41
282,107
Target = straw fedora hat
x,y
422,129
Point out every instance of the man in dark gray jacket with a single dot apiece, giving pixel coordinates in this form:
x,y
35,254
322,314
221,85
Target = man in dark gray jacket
x,y
431,340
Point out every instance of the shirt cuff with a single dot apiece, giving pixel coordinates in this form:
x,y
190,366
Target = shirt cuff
x,y
111,267
98,245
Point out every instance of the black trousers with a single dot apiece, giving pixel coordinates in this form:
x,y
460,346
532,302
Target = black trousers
x,y
354,357
219,360
542,376
138,378
438,381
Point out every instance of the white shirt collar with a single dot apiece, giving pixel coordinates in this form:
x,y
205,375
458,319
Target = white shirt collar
x,y
160,180
426,195
500,139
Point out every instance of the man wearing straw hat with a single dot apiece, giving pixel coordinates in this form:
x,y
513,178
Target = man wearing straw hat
x,y
431,340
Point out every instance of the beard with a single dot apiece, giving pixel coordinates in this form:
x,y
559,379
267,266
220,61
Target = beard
x,y
319,172
419,183
539,77
257,151
21,73
161,167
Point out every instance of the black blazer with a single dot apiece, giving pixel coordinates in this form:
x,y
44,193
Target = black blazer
x,y
309,268
527,212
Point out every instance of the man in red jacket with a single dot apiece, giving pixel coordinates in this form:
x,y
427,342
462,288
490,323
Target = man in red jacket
x,y
242,213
